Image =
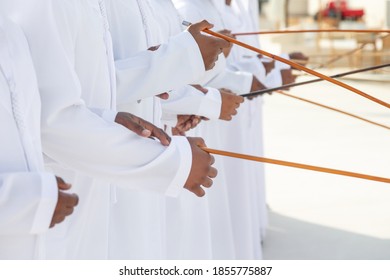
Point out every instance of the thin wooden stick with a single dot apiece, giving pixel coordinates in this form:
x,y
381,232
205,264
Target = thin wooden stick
x,y
294,65
298,165
313,31
259,92
332,109
338,57
349,53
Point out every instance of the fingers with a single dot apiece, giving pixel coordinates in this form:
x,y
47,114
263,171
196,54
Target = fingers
x,y
65,207
199,142
204,24
222,44
139,129
60,180
62,185
154,48
57,220
195,121
163,96
213,172
74,200
287,76
202,172
200,88
142,127
209,46
158,133
198,191
67,200
230,104
132,123
257,85
207,183
239,99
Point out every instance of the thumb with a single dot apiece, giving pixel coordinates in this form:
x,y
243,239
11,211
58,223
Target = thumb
x,y
62,185
199,142
204,24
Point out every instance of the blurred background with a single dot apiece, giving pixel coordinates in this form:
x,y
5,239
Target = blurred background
x,y
319,216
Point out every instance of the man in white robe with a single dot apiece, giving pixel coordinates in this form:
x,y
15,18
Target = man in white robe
x,y
239,175
250,218
31,200
76,76
134,29
214,231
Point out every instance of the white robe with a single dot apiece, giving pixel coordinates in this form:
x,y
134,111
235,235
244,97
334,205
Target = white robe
x,y
134,29
245,181
76,73
196,228
28,195
247,10
130,24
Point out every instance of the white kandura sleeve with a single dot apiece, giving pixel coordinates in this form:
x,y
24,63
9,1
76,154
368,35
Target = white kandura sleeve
x,y
149,73
274,78
218,68
237,81
78,138
106,114
251,65
27,202
280,65
190,101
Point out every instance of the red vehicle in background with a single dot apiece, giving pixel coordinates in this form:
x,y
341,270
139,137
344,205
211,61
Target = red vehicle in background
x,y
339,10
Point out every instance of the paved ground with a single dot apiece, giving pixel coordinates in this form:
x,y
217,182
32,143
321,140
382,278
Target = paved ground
x,y
320,216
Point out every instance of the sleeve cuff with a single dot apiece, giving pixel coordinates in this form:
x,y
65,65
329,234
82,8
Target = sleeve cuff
x,y
237,81
107,115
211,104
190,101
169,119
274,79
194,55
47,205
184,148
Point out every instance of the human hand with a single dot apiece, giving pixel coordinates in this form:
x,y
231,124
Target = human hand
x,y
256,86
299,57
269,66
202,172
154,48
185,123
210,47
230,104
142,127
163,96
226,51
65,204
288,77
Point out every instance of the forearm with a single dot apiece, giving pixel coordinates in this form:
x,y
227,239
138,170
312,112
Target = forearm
x,y
111,152
153,72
